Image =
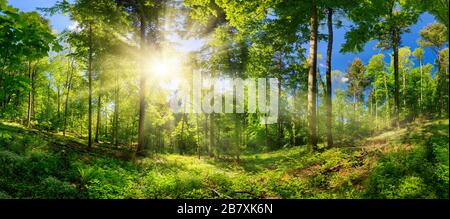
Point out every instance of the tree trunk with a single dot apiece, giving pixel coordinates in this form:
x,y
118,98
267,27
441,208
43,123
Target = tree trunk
x,y
140,145
181,141
312,134
280,122
69,84
388,110
404,89
206,134
33,88
106,134
198,134
376,113
90,88
266,135
211,127
421,86
58,115
396,79
293,134
329,88
211,134
115,139
440,88
447,90
237,124
97,128
30,95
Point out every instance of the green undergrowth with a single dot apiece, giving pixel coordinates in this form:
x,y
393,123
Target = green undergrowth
x,y
406,163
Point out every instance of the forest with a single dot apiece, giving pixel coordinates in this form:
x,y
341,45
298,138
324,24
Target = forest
x,y
135,99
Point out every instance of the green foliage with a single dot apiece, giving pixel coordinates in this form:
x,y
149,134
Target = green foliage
x,y
434,35
53,188
419,171
96,82
410,168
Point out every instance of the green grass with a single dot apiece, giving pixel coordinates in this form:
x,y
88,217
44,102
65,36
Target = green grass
x,y
407,163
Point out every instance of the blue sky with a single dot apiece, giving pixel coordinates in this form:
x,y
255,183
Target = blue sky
x,y
339,62
59,22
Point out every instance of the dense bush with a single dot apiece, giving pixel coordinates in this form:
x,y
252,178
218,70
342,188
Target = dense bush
x,y
420,173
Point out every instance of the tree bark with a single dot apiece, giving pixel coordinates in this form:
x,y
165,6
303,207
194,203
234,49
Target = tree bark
x,y
376,113
388,110
33,88
266,135
58,115
280,122
312,132
90,87
206,134
404,89
329,88
211,134
237,124
97,128
30,95
440,87
396,39
115,139
198,134
293,134
140,145
182,143
421,86
69,84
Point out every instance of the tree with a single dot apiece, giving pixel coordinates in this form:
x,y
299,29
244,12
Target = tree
x,y
329,88
444,66
36,42
376,69
419,54
384,21
312,77
438,8
356,81
71,71
144,15
97,22
405,66
333,7
434,37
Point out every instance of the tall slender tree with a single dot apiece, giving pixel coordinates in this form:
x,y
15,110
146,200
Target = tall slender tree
x,y
385,21
145,16
312,76
419,54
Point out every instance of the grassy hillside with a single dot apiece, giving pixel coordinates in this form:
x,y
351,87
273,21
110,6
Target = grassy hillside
x,y
411,162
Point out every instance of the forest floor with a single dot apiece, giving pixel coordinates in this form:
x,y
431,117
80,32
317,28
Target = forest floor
x,y
411,162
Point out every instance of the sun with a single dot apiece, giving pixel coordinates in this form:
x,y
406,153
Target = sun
x,y
160,68
165,66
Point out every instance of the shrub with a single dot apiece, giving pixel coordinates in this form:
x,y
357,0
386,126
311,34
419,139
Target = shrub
x,y
52,187
411,187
